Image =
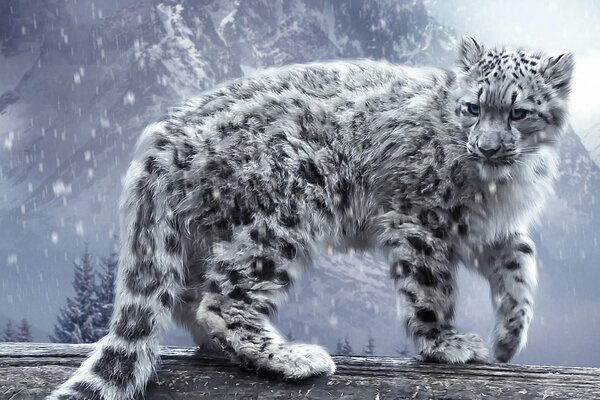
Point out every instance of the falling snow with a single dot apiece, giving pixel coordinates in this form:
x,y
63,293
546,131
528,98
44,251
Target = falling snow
x,y
79,80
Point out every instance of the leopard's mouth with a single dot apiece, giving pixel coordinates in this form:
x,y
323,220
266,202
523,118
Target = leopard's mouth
x,y
504,162
495,169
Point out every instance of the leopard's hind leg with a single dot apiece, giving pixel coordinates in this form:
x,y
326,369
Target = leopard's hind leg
x,y
246,277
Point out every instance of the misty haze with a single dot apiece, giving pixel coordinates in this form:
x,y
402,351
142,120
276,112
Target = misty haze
x,y
80,79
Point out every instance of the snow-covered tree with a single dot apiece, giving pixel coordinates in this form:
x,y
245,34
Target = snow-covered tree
x,y
24,333
369,349
9,334
105,295
339,346
344,347
75,323
347,347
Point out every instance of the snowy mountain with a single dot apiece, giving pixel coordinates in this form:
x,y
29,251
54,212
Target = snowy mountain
x,y
78,83
591,139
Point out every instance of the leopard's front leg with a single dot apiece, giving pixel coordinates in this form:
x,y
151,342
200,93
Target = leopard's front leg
x,y
424,272
509,265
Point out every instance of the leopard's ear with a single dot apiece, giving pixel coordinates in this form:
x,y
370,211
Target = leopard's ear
x,y
558,72
469,52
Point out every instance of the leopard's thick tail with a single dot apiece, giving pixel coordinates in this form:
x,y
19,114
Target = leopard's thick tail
x,y
148,283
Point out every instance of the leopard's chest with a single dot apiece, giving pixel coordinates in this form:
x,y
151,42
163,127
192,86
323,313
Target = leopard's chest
x,y
500,210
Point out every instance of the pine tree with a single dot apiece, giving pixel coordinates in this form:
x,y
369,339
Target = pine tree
x,y
75,324
24,334
105,295
339,347
9,332
370,347
345,348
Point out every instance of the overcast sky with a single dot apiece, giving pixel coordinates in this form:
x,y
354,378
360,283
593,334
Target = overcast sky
x,y
553,26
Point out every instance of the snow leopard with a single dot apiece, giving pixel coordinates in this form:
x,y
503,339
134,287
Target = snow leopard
x,y
230,196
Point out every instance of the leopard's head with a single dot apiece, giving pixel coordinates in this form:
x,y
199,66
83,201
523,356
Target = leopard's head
x,y
511,105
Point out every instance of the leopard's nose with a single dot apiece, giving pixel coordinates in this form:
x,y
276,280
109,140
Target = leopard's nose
x,y
488,153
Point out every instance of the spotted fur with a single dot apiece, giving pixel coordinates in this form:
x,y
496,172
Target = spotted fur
x,y
229,196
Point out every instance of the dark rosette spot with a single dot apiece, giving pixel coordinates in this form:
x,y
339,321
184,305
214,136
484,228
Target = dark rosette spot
x,y
234,276
143,279
288,250
135,322
419,244
214,287
425,277
432,334
447,194
426,315
429,181
162,143
283,277
166,300
513,265
116,366
311,174
172,244
239,294
412,297
263,268
457,175
401,268
429,218
262,235
84,390
153,167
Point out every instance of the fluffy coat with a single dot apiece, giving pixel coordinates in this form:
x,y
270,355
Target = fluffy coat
x,y
230,195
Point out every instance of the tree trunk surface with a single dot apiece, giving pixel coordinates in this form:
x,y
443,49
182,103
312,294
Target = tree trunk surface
x,y
30,371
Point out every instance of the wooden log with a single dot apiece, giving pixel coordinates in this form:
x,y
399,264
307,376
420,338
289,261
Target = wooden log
x,y
30,371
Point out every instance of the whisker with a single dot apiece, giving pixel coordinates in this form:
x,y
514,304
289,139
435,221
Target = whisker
x,y
452,138
458,158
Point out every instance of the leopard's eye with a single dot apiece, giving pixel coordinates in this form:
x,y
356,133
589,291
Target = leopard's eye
x,y
473,109
517,114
